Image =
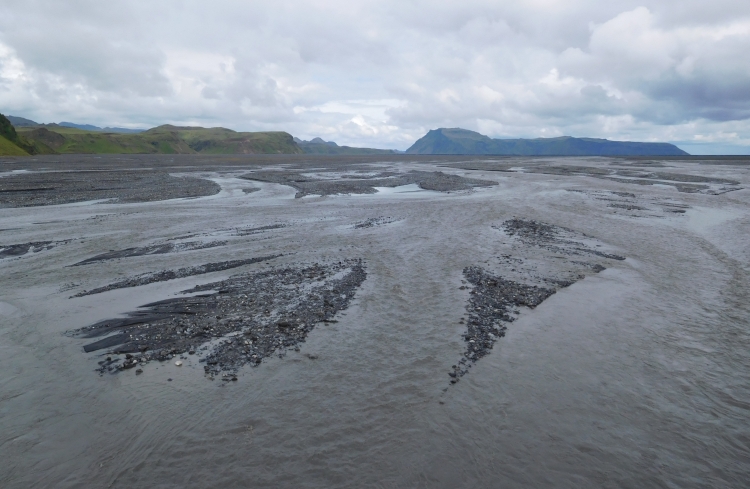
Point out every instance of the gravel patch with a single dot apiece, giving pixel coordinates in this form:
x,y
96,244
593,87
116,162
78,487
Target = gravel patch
x,y
375,221
310,185
64,187
14,250
537,269
164,275
240,321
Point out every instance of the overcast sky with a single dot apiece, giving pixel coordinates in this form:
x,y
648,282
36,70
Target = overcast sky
x,y
381,73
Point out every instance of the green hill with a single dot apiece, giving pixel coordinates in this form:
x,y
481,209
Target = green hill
x,y
167,139
11,144
464,142
7,148
219,140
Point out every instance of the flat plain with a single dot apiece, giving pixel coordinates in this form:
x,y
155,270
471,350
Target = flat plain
x,y
374,321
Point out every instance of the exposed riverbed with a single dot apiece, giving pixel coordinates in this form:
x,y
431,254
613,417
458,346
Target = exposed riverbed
x,y
316,322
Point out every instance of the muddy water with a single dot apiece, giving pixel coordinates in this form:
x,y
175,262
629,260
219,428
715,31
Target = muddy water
x,y
632,377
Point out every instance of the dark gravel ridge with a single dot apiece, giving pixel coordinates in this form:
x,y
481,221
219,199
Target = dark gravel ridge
x,y
494,297
306,185
241,321
9,251
375,221
164,275
553,238
491,301
63,187
158,249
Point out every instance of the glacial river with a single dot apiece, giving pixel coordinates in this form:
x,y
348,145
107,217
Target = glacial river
x,y
636,376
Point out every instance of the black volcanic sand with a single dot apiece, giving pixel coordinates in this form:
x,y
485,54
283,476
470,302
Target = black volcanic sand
x,y
682,182
63,187
493,297
242,320
165,275
158,249
310,185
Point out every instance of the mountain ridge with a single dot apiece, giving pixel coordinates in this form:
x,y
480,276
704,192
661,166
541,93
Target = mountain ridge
x,y
459,141
165,139
320,147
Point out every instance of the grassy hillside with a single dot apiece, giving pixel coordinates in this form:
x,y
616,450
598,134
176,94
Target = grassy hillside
x,y
219,140
7,148
11,137
52,138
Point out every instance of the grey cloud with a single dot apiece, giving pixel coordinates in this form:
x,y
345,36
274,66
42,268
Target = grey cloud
x,y
672,69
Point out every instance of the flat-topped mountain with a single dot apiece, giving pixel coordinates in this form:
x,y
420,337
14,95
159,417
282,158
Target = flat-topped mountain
x,y
463,142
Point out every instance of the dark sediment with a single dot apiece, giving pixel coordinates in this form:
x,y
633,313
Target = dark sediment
x,y
151,250
63,187
308,185
164,275
637,206
9,251
682,182
491,302
257,230
245,319
494,297
627,207
550,237
374,221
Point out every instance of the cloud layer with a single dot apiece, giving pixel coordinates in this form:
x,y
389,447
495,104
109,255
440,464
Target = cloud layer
x,y
381,73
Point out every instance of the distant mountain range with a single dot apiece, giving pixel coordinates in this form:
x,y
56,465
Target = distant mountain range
x,y
464,142
23,122
319,147
20,136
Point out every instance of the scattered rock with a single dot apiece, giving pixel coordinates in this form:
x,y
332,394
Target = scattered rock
x,y
233,327
374,221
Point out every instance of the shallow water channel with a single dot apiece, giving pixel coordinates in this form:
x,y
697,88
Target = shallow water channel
x,y
631,376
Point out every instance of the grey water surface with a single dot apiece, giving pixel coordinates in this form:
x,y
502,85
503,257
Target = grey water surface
x,y
635,376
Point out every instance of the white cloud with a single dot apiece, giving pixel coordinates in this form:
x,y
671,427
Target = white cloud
x,y
381,73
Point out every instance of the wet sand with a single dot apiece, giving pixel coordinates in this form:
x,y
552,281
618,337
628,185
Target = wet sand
x,y
386,322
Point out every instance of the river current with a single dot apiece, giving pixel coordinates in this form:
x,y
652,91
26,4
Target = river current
x,y
636,376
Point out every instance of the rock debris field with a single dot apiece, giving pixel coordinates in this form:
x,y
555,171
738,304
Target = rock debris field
x,y
241,321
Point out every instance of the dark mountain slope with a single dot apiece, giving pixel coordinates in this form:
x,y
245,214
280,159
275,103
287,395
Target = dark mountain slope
x,y
464,142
